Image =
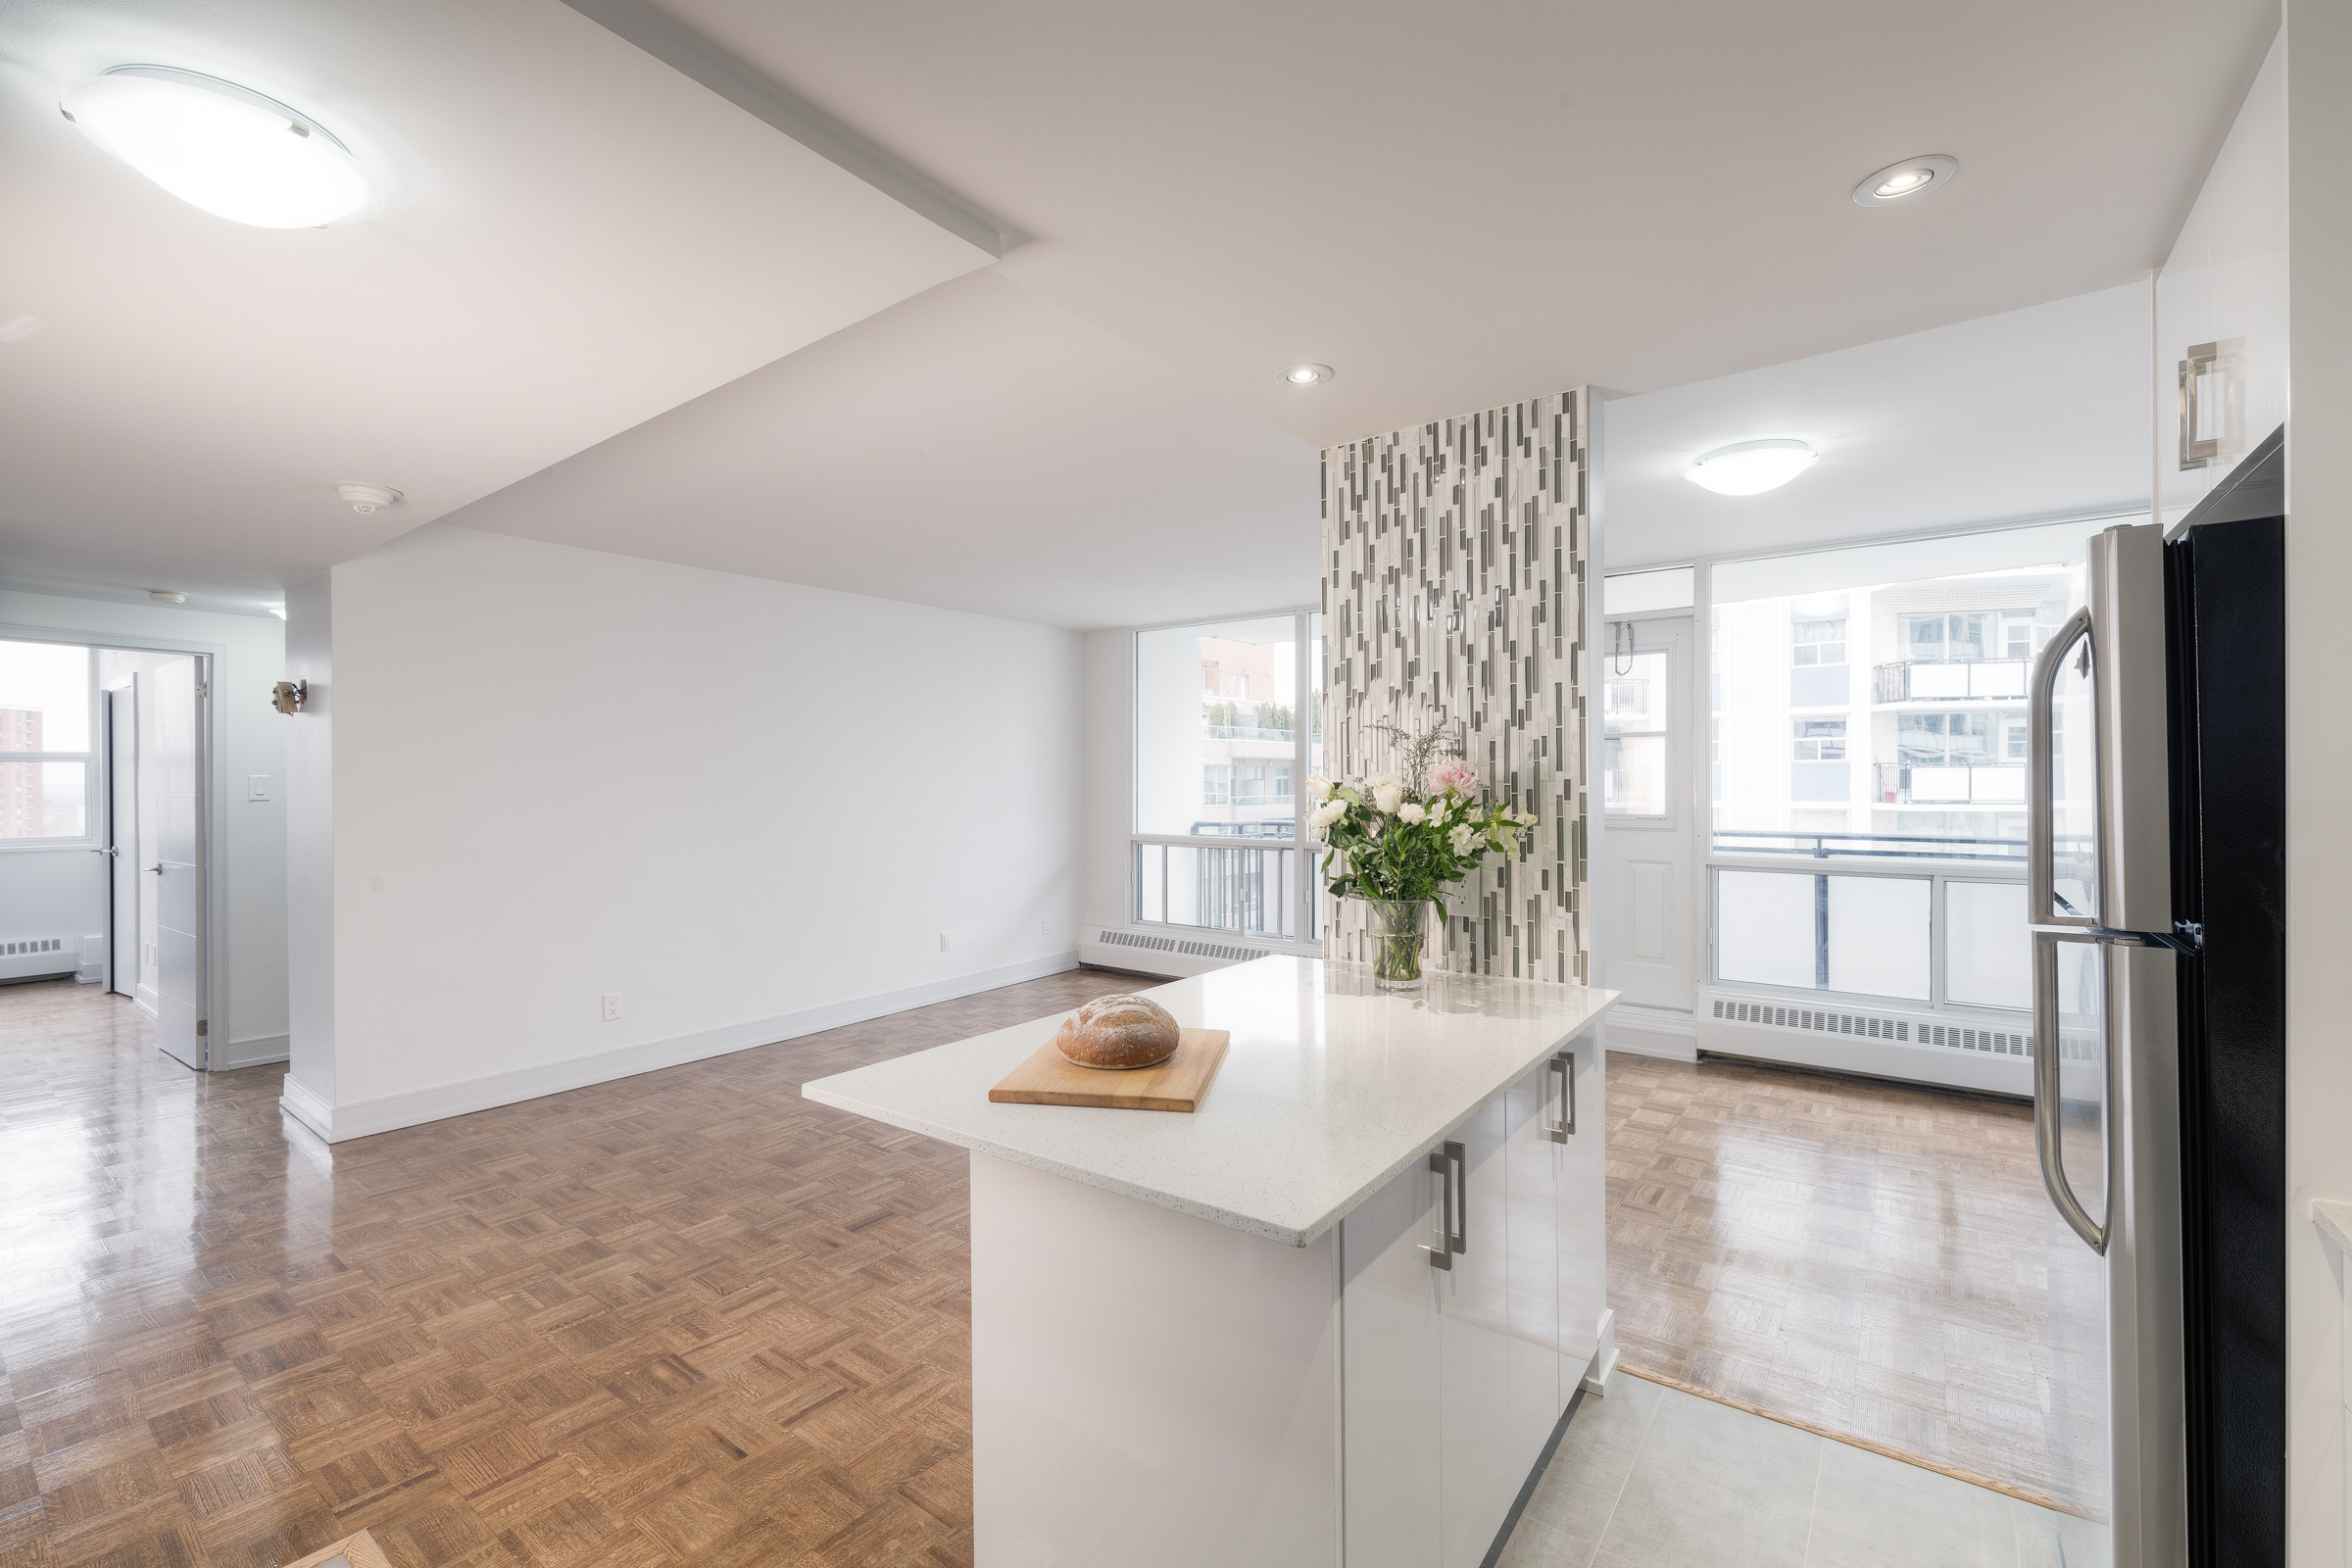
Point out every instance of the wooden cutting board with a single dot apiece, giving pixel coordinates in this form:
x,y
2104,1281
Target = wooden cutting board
x,y
1048,1078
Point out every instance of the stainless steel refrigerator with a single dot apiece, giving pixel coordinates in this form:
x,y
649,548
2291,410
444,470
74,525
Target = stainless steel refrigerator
x,y
2155,903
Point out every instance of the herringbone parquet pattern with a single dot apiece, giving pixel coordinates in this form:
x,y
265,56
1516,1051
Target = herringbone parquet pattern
x,y
687,1317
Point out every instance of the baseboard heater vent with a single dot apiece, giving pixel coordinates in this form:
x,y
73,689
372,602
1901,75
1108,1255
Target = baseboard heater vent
x,y
1190,950
1950,1036
30,945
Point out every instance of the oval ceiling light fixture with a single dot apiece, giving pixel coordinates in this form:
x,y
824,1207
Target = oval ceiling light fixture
x,y
1899,182
1306,374
1750,468
223,147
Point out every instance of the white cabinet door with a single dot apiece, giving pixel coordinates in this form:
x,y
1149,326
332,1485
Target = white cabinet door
x,y
1474,1353
1530,1191
1390,1373
1581,1161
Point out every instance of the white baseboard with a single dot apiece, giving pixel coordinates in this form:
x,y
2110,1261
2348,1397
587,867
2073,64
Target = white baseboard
x,y
259,1051
145,1000
89,974
1653,1032
306,1107
1604,1357
365,1118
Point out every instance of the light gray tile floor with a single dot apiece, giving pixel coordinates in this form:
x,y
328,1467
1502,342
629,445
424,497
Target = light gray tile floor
x,y
1649,1477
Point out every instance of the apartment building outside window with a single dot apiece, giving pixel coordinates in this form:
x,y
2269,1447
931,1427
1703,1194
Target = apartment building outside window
x,y
1901,784
48,761
1226,724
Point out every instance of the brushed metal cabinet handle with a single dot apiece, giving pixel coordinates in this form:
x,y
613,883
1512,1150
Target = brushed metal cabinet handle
x,y
1441,1255
1563,1065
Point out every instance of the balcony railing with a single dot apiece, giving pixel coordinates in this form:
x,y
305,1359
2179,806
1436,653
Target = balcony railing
x,y
1885,846
1928,680
1961,784
1247,732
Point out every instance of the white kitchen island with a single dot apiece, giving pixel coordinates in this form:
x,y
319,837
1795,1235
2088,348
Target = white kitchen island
x,y
1333,1317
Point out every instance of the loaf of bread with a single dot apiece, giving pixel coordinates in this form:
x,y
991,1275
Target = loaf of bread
x,y
1118,1032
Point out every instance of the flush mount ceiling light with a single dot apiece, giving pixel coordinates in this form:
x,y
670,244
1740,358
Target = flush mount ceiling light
x,y
366,499
1751,466
1306,374
223,147
1899,182
167,596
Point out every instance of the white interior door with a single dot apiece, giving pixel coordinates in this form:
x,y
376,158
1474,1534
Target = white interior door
x,y
1646,854
174,766
123,840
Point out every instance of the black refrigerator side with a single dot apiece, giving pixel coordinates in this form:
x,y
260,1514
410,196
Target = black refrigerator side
x,y
2226,613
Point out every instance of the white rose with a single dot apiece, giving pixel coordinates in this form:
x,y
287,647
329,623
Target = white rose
x,y
1387,793
1318,786
1409,812
1326,815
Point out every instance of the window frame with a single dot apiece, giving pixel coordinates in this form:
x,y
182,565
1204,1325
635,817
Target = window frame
x,y
1670,820
1305,872
92,764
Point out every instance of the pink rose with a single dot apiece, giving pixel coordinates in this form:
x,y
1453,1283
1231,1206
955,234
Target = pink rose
x,y
1454,775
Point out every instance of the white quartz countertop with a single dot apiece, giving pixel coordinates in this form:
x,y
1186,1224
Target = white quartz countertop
x,y
1328,1089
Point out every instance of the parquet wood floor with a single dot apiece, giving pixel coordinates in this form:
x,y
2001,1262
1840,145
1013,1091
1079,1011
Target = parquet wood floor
x,y
688,1317
1867,1259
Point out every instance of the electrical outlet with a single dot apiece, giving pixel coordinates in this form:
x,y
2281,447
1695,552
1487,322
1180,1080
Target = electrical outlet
x,y
1044,926
612,1006
947,942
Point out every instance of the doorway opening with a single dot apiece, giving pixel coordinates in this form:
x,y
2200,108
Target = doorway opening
x,y
105,823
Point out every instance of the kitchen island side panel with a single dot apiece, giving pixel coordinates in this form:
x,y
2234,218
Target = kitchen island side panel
x,y
1148,1390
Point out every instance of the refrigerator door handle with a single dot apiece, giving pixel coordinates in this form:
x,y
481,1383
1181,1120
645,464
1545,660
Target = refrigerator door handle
x,y
2047,1055
2042,779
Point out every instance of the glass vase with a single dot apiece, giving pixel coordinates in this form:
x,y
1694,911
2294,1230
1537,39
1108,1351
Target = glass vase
x,y
1394,927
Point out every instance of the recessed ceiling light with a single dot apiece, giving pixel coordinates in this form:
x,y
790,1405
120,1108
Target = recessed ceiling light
x,y
223,147
1306,374
167,596
1751,466
1899,182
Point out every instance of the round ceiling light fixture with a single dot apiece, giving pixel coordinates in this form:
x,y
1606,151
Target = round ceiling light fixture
x,y
1750,468
1306,374
223,147
1899,182
167,596
366,499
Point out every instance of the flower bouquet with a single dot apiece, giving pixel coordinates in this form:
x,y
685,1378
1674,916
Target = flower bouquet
x,y
1396,846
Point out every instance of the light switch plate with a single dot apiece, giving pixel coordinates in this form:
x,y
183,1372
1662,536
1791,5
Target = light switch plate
x,y
256,786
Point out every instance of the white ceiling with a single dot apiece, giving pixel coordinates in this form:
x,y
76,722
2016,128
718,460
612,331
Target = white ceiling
x,y
1452,207
574,239
2037,413
1456,207
973,448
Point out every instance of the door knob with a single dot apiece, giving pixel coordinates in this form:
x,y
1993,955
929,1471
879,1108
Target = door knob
x,y
107,850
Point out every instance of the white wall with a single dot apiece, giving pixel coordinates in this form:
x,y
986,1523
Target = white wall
x,y
310,850
51,893
2225,282
749,807
1109,777
248,935
2319,758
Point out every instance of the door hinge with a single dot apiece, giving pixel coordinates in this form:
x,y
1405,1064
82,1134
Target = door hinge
x,y
204,688
204,1026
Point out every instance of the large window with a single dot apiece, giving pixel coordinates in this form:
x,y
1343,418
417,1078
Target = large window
x,y
1226,724
48,764
1903,787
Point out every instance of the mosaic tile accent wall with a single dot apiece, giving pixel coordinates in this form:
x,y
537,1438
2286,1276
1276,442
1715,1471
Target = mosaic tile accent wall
x,y
1453,597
